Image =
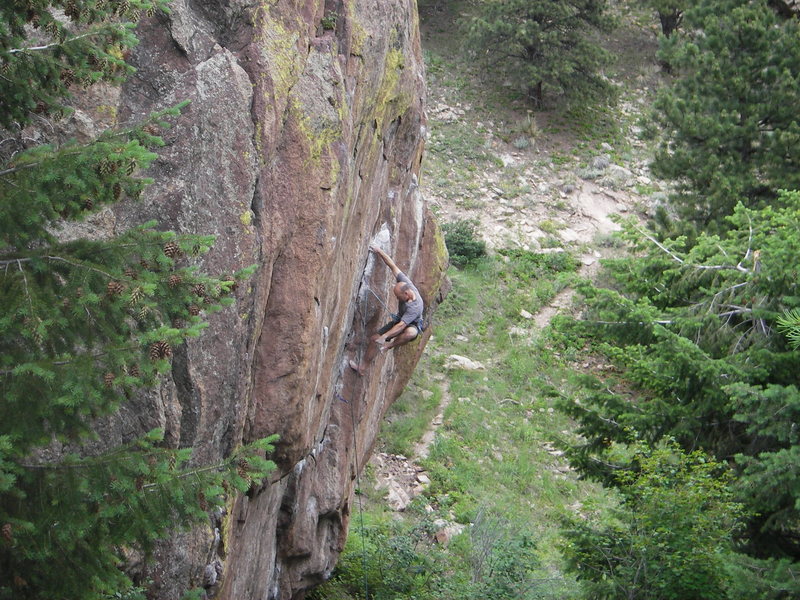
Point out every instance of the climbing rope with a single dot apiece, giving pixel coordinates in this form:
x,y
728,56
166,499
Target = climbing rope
x,y
360,504
379,299
358,470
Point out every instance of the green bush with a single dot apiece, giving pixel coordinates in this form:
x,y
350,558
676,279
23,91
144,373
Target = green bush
x,y
462,242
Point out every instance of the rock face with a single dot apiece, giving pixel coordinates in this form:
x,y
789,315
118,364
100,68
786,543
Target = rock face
x,y
301,146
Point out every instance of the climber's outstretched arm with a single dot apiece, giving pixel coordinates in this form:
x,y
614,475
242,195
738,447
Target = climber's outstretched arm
x,y
386,258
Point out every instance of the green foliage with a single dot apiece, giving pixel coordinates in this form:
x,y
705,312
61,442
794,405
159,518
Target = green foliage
x,y
527,265
728,127
669,539
86,323
789,325
548,47
43,54
67,519
392,559
692,334
389,559
462,243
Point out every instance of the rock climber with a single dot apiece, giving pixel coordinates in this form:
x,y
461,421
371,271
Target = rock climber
x,y
405,326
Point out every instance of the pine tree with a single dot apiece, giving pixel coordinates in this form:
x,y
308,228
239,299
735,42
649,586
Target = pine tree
x,y
548,46
729,125
695,337
85,323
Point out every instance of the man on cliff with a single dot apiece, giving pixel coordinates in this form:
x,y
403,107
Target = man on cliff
x,y
405,326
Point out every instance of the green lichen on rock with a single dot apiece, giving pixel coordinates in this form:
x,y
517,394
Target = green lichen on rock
x,y
279,46
358,35
391,99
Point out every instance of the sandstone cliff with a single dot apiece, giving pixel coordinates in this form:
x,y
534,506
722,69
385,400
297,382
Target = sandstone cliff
x,y
301,145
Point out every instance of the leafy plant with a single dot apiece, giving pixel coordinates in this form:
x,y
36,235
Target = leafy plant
x,y
462,243
669,539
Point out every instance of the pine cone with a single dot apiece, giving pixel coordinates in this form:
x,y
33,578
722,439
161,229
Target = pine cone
x,y
194,310
178,323
103,167
130,273
72,10
108,380
8,533
144,264
139,482
114,288
130,167
52,28
174,280
142,313
159,350
137,294
88,204
172,249
199,289
133,370
201,501
117,190
67,77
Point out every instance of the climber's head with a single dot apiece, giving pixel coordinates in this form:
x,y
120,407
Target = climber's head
x,y
403,292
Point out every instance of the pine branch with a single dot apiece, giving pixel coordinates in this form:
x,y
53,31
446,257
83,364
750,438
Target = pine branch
x,y
682,262
25,282
63,363
54,44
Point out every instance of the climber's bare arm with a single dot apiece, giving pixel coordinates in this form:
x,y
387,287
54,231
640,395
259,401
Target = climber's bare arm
x,y
386,258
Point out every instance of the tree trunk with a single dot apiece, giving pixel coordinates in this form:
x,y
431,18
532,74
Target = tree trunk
x,y
670,21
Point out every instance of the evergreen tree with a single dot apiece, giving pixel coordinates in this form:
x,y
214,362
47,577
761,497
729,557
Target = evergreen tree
x,y
693,333
84,323
728,121
548,46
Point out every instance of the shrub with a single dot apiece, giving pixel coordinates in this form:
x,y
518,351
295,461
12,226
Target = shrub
x,y
462,242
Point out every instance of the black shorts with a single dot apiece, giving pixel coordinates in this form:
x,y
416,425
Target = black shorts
x,y
417,324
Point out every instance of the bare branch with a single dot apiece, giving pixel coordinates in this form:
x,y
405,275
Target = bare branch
x,y
53,45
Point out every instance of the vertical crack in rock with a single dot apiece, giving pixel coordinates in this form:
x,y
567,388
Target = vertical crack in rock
x,y
186,397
